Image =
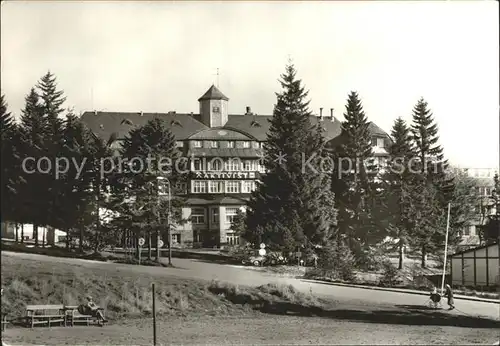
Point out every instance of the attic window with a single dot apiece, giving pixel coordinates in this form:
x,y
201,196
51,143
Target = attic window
x,y
175,122
255,124
101,126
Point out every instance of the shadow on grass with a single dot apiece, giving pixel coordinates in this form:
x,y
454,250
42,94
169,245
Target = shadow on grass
x,y
285,300
403,316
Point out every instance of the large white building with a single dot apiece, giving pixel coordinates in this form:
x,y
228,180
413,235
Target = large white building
x,y
225,151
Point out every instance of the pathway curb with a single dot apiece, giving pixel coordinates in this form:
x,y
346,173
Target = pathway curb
x,y
400,290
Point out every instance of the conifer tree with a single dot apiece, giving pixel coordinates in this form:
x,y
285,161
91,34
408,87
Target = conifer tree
x,y
399,188
286,211
75,186
156,142
33,187
436,188
10,163
51,103
352,182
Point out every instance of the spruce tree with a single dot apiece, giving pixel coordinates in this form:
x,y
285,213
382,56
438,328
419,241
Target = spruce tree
x,y
10,163
154,141
399,188
352,182
432,178
74,185
51,103
33,188
286,210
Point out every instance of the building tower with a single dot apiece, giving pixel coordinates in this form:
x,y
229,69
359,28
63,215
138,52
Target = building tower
x,y
213,108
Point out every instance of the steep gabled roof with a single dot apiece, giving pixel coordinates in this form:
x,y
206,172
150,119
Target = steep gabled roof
x,y
185,125
104,124
213,94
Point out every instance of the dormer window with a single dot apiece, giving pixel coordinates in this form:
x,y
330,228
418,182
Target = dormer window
x,y
179,144
380,142
197,144
216,109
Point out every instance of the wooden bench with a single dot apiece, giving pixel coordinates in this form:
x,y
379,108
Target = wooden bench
x,y
73,316
45,314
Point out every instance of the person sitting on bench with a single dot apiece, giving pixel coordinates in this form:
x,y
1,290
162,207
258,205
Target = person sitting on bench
x,y
91,309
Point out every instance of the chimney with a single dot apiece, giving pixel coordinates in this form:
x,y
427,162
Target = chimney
x,y
321,113
249,111
95,112
332,119
141,113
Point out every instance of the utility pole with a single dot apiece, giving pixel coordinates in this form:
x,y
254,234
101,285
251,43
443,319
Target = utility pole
x,y
168,216
445,248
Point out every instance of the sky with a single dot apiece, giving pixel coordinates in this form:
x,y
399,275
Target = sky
x,y
162,56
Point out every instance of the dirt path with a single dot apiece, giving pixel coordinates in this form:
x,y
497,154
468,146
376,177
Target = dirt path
x,y
282,330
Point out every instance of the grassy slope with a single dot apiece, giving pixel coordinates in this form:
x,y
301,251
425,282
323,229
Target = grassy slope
x,y
126,295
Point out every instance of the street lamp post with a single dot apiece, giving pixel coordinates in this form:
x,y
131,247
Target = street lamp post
x,y
168,218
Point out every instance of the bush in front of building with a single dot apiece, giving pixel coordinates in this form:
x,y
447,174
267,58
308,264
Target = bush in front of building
x,y
335,262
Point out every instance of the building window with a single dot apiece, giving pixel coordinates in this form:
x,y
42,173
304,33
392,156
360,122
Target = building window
x,y
380,142
230,144
215,165
216,186
198,216
212,144
199,186
262,145
255,145
249,165
232,186
197,144
176,238
215,109
197,164
197,237
248,186
466,231
215,215
246,144
179,144
232,239
374,141
230,214
232,165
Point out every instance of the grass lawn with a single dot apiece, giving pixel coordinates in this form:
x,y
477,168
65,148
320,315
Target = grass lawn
x,y
203,312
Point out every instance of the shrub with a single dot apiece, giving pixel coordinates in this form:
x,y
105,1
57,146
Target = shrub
x,y
337,262
389,274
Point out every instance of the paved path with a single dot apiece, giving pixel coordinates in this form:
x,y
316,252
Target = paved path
x,y
187,268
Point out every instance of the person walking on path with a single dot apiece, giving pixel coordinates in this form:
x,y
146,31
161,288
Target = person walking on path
x,y
449,294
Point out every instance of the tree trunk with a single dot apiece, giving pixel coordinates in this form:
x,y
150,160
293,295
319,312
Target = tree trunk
x,y
401,254
98,216
35,234
423,256
67,239
137,247
17,232
80,240
44,236
22,233
157,246
149,246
